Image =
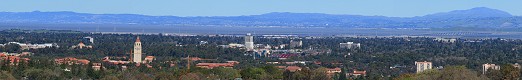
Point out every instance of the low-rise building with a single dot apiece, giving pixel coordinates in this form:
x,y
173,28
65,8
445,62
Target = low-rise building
x,y
290,68
349,45
293,68
149,59
214,65
358,73
14,60
487,66
332,71
115,62
71,61
96,66
25,46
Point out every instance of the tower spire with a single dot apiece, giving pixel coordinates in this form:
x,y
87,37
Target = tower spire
x,y
138,39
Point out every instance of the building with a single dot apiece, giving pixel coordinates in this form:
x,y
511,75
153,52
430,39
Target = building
x,y
123,68
137,51
13,60
332,71
283,56
445,40
3,54
249,42
115,62
290,68
229,64
81,45
233,45
149,59
296,44
293,68
24,46
422,66
261,53
90,39
71,61
349,45
96,66
358,73
487,66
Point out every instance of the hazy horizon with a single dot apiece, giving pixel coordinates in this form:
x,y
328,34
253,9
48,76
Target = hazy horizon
x,y
390,8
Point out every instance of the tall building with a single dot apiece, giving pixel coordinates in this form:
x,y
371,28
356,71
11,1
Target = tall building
x,y
421,66
487,66
249,42
137,51
296,44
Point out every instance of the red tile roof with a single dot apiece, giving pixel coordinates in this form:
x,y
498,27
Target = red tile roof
x,y
293,68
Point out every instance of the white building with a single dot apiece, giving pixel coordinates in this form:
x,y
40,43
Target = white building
x,y
249,42
137,51
487,66
421,66
91,40
349,45
32,46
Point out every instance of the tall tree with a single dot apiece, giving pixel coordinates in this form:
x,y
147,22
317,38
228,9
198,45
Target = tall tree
x,y
342,75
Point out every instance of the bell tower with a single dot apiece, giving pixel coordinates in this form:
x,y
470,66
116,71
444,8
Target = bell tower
x,y
137,51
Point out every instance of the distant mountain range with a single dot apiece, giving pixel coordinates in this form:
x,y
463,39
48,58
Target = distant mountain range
x,y
475,17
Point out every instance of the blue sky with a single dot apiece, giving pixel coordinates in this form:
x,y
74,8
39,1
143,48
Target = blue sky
x,y
394,8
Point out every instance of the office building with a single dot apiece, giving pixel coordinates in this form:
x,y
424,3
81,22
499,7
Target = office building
x,y
422,66
249,42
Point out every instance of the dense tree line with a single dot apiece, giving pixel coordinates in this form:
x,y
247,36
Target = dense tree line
x,y
376,55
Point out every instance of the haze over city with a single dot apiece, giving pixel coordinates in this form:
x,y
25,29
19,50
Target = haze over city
x,y
391,8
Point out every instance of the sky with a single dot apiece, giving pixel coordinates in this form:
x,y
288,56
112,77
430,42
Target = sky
x,y
391,8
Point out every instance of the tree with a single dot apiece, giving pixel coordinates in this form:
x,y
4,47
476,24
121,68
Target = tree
x,y
509,72
253,73
110,77
429,75
342,75
460,73
494,74
319,74
304,74
6,75
191,76
164,76
46,74
12,48
274,72
287,75
406,76
226,73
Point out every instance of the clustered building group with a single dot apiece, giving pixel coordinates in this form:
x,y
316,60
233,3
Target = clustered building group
x,y
425,65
